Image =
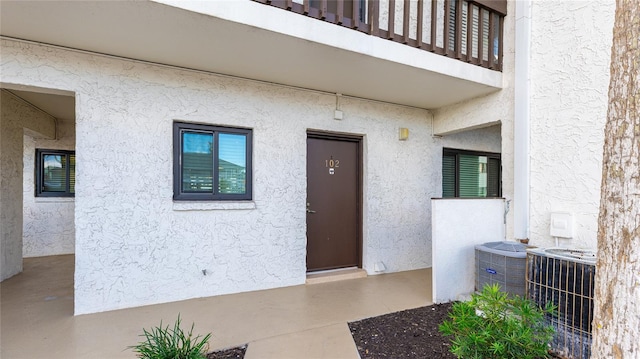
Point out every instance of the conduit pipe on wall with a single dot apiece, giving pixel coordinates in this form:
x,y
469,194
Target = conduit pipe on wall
x,y
521,171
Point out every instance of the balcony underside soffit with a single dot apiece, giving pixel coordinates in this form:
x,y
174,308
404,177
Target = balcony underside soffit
x,y
228,38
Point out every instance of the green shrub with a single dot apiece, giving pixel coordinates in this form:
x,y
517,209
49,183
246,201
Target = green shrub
x,y
171,343
494,325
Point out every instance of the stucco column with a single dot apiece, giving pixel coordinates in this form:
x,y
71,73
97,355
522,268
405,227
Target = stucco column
x,y
11,141
521,121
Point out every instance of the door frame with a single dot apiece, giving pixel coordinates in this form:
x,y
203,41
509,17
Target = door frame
x,y
358,139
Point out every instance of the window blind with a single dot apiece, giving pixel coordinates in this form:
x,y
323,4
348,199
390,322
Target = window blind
x,y
72,173
469,176
493,177
448,176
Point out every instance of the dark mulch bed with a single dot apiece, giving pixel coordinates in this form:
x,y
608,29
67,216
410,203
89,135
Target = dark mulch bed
x,y
231,353
411,333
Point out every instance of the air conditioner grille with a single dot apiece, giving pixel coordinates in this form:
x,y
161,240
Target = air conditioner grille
x,y
569,285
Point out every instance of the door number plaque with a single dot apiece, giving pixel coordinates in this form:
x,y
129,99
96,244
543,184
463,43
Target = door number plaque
x,y
332,164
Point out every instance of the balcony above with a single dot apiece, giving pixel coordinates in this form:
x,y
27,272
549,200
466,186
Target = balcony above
x,y
468,30
253,40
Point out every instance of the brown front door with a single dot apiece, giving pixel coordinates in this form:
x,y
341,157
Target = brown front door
x,y
333,202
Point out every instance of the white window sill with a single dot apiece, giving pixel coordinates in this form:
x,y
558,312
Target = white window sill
x,y
54,199
212,206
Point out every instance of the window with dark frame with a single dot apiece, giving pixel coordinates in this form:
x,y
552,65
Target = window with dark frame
x,y
55,173
211,163
470,174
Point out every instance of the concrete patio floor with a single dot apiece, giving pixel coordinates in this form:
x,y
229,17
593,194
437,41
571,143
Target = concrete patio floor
x,y
305,321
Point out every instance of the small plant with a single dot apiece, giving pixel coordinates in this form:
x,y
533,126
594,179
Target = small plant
x,y
494,325
171,343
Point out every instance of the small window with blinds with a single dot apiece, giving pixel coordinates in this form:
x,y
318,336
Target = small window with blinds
x,y
469,174
211,162
55,173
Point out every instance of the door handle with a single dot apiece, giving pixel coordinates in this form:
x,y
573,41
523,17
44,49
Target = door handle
x,y
310,210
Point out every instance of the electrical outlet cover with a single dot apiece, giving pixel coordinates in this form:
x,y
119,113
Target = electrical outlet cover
x,y
561,225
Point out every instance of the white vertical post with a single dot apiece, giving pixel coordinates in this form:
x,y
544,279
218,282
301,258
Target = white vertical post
x,y
521,200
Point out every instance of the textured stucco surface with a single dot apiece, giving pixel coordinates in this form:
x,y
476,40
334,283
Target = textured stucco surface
x,y
48,222
570,55
15,117
568,78
489,111
458,226
11,187
134,246
486,139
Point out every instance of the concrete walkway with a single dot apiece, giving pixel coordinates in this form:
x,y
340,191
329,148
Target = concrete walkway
x,y
306,321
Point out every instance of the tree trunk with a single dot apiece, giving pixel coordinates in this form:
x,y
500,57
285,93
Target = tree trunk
x,y
616,325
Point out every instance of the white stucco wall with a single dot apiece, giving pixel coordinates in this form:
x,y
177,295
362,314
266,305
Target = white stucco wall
x,y
135,246
495,111
486,139
48,222
570,55
16,116
458,226
568,80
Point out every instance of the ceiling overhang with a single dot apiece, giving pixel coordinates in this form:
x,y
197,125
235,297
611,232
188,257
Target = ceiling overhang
x,y
251,47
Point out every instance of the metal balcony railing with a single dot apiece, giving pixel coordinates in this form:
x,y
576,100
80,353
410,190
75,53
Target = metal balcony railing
x,y
470,31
